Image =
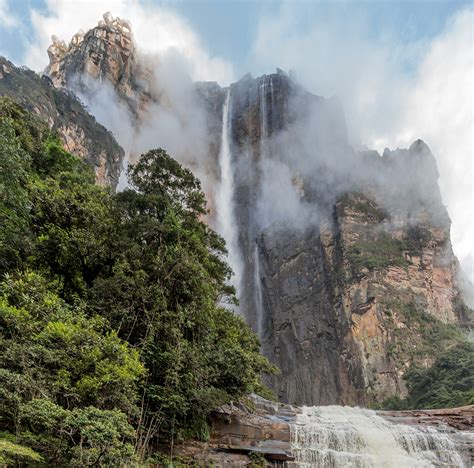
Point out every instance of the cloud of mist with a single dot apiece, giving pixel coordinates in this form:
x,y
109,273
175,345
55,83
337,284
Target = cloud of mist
x,y
102,101
7,19
155,28
177,122
385,104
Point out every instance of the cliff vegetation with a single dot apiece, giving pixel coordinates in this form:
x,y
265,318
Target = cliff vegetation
x,y
115,339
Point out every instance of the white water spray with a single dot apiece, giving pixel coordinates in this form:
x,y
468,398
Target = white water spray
x,y
225,207
258,293
123,179
336,436
272,100
263,116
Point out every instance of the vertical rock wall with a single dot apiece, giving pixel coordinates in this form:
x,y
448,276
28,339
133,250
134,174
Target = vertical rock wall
x,y
348,271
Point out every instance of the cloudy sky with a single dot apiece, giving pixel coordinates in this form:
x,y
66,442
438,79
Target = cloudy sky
x,y
402,69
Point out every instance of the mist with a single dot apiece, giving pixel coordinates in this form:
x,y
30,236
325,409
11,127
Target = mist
x,y
392,93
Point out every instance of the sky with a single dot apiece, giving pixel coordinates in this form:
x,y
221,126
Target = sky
x,y
229,28
402,69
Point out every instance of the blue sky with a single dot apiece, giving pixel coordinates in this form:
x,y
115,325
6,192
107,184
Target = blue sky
x,y
228,28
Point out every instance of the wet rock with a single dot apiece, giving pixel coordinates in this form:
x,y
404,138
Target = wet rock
x,y
263,427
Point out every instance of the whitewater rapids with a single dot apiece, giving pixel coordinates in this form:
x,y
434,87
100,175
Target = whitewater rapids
x,y
337,436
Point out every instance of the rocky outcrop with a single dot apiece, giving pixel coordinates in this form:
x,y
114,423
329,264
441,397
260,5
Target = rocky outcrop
x,y
106,53
461,419
240,431
81,134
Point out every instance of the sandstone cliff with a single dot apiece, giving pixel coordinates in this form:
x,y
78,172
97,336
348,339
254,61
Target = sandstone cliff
x,y
81,133
106,53
353,282
347,270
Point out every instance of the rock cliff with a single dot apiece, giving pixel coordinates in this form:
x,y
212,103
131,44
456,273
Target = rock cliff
x,y
106,53
81,133
346,268
356,280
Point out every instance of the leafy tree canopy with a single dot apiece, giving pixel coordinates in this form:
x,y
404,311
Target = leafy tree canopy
x,y
115,336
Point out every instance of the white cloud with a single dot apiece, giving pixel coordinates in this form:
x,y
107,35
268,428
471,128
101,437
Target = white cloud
x,y
392,93
438,107
384,105
156,30
7,18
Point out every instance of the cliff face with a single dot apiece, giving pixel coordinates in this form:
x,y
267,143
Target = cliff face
x,y
106,53
80,132
347,270
361,283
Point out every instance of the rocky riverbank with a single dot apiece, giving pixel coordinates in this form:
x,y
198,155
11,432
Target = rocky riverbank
x,y
261,431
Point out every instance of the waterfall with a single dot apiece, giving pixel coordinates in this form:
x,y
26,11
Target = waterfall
x,y
272,100
336,436
263,116
123,180
225,208
258,293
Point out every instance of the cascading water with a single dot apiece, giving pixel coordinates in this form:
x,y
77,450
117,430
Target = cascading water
x,y
272,100
258,292
263,152
123,181
336,436
225,208
263,115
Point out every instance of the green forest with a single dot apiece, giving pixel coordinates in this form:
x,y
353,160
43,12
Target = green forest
x,y
117,338
115,335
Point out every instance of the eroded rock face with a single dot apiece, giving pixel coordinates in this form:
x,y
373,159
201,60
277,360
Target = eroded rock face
x,y
347,265
106,53
81,134
343,303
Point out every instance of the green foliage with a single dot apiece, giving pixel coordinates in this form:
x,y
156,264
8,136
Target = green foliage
x,y
14,206
423,335
163,294
366,207
86,436
438,355
14,454
28,129
73,355
114,334
257,459
56,106
54,357
448,383
382,252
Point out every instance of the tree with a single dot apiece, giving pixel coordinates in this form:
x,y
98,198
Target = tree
x,y
14,206
166,294
114,326
55,364
449,382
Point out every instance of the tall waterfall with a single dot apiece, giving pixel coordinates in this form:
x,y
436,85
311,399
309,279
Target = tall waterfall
x,y
263,114
258,292
258,297
123,181
225,207
336,436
